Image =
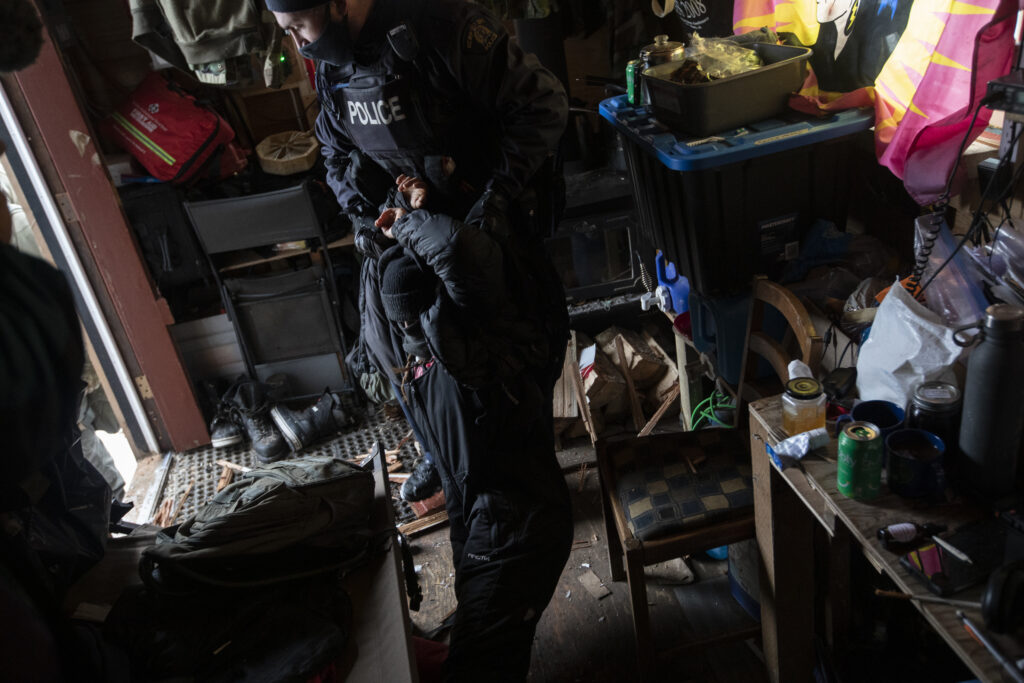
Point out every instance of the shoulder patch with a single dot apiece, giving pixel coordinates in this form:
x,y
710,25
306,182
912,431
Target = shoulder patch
x,y
479,35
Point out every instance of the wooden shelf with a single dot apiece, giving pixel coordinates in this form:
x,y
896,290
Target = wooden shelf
x,y
245,259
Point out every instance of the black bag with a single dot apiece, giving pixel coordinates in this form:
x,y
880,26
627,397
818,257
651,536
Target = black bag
x,y
173,255
287,520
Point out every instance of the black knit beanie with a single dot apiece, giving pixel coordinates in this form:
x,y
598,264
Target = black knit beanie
x,y
406,290
293,5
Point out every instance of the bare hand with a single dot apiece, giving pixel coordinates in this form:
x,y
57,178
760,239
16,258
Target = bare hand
x,y
414,190
387,220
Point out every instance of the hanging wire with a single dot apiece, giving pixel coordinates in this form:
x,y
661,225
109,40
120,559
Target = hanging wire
x,y
921,258
980,216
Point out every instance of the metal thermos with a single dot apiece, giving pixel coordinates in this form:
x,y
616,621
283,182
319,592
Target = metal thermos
x,y
662,50
993,403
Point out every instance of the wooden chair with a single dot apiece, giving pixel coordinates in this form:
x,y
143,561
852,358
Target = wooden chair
x,y
669,495
800,339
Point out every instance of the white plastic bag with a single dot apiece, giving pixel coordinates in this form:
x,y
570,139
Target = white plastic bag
x,y
908,344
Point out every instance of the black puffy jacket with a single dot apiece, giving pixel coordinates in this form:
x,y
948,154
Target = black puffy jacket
x,y
474,327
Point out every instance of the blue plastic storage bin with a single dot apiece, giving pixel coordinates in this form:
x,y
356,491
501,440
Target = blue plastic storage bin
x,y
728,207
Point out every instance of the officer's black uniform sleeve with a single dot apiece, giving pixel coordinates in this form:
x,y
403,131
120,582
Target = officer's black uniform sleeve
x,y
526,99
337,150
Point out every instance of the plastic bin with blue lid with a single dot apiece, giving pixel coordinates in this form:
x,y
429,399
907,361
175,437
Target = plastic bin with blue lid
x,y
729,206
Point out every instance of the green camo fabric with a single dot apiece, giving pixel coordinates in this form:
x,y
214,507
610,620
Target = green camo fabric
x,y
520,9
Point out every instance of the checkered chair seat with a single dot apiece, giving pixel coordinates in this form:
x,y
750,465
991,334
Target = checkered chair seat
x,y
659,493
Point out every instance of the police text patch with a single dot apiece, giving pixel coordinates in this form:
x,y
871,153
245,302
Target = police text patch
x,y
479,36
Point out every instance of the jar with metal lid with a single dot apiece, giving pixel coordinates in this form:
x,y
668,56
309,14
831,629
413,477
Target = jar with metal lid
x,y
803,406
935,408
662,50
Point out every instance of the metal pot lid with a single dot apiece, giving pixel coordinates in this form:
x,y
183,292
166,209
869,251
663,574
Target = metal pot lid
x,y
662,50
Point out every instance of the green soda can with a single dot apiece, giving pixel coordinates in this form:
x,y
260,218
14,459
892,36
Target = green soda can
x,y
633,81
859,474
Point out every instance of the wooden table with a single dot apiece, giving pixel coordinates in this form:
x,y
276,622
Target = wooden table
x,y
788,504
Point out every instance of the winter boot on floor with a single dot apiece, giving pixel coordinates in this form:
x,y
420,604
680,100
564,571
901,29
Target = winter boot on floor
x,y
305,427
424,482
253,412
224,428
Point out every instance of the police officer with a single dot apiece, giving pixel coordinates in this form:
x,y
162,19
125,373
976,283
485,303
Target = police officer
x,y
437,90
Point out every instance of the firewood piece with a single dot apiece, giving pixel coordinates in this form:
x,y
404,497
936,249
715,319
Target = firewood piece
x,y
581,399
640,361
582,478
669,400
181,501
428,506
579,428
234,466
603,382
163,513
405,440
663,387
399,476
634,400
226,476
395,466
419,525
564,405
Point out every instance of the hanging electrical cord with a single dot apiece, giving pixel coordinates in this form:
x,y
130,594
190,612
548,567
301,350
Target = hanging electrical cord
x,y
980,216
928,238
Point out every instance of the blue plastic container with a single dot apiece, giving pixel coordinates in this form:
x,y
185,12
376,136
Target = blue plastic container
x,y
728,207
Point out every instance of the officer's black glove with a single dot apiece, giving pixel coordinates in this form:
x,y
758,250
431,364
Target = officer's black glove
x,y
369,239
490,213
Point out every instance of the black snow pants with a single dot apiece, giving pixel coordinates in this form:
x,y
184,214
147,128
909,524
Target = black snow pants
x,y
509,511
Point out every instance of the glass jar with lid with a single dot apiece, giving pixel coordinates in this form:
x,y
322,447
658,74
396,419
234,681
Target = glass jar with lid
x,y
803,406
935,407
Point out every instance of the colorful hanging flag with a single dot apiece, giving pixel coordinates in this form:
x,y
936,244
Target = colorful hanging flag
x,y
922,64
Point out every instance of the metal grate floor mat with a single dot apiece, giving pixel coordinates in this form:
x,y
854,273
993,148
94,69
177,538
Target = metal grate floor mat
x,y
199,467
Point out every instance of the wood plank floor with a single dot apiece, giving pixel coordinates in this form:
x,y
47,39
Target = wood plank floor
x,y
581,638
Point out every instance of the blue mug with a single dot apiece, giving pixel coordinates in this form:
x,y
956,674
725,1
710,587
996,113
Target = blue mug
x,y
885,415
915,463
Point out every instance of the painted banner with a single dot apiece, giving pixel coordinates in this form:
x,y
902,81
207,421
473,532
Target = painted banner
x,y
922,64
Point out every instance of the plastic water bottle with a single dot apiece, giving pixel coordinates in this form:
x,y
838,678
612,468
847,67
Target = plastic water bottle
x,y
677,284
993,404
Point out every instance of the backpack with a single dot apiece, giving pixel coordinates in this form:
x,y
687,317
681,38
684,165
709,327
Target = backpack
x,y
172,135
288,520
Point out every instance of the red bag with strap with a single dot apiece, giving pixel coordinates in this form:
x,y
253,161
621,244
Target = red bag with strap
x,y
172,135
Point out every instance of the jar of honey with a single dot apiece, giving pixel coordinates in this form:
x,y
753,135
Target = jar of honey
x,y
803,406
